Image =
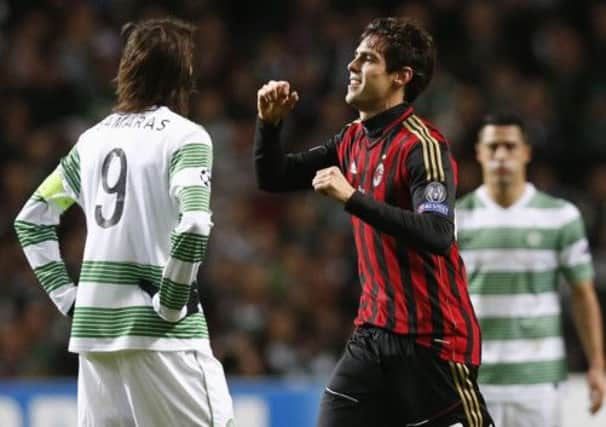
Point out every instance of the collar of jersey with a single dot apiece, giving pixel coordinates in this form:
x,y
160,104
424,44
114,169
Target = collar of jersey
x,y
529,191
378,126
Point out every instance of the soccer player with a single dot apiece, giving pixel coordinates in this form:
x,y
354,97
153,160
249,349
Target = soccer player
x,y
413,357
142,178
516,241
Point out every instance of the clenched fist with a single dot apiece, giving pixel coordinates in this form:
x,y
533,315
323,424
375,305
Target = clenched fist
x,y
275,100
332,183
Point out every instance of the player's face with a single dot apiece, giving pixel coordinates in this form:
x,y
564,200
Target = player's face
x,y
371,88
503,153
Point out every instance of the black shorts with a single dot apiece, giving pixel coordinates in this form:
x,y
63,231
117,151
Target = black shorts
x,y
386,380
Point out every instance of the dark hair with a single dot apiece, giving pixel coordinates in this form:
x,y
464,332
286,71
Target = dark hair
x,y
404,43
156,65
503,118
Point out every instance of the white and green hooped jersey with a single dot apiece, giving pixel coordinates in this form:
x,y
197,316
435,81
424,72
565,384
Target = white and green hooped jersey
x,y
514,258
143,182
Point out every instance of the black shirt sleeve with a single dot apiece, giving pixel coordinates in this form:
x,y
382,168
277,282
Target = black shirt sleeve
x,y
430,225
279,172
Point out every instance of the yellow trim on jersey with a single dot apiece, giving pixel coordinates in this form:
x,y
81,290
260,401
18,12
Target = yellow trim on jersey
x,y
426,156
436,154
425,131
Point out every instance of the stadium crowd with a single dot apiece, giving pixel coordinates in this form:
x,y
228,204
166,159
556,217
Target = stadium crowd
x,y
279,283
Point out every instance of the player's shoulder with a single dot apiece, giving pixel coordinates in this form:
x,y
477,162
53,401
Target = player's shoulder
x,y
350,128
422,128
186,131
419,132
469,202
554,204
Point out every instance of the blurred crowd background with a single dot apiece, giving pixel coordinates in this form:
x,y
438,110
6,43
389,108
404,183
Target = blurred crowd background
x,y
279,284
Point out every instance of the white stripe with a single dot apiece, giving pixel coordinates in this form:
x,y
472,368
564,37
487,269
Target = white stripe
x,y
188,177
42,253
105,295
509,260
77,345
39,213
516,305
522,351
576,254
517,392
64,297
180,271
344,396
195,222
538,218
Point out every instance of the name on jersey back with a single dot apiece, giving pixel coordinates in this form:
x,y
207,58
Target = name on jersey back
x,y
135,121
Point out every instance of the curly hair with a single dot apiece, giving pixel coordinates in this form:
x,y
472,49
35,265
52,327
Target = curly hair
x,y
404,43
156,67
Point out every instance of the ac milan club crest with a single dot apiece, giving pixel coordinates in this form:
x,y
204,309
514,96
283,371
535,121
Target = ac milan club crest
x,y
378,176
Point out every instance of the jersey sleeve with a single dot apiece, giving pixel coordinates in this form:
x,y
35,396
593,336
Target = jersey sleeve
x,y
36,227
277,171
430,174
574,256
190,171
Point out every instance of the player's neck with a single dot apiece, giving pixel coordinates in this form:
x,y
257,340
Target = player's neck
x,y
505,195
384,105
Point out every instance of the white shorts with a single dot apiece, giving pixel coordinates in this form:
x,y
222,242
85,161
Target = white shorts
x,y
139,388
532,406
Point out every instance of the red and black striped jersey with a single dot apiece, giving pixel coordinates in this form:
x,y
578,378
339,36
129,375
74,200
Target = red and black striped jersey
x,y
412,277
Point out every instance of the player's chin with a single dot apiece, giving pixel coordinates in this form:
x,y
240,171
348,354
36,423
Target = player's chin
x,y
352,98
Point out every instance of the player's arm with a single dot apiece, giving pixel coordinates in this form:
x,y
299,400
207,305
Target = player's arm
x,y
36,227
588,321
189,173
575,260
430,225
275,170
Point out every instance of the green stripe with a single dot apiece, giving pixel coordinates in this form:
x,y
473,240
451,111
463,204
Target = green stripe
x,y
506,283
190,156
578,273
174,296
52,275
509,238
37,198
500,328
194,198
71,169
468,202
30,234
92,322
572,232
188,247
522,373
545,201
127,273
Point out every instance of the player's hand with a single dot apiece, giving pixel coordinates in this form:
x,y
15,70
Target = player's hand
x,y
597,388
332,183
193,303
275,100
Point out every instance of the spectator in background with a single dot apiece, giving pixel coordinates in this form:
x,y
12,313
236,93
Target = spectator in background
x,y
516,241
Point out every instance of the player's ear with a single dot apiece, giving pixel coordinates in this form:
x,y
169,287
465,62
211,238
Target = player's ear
x,y
477,147
527,153
403,76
